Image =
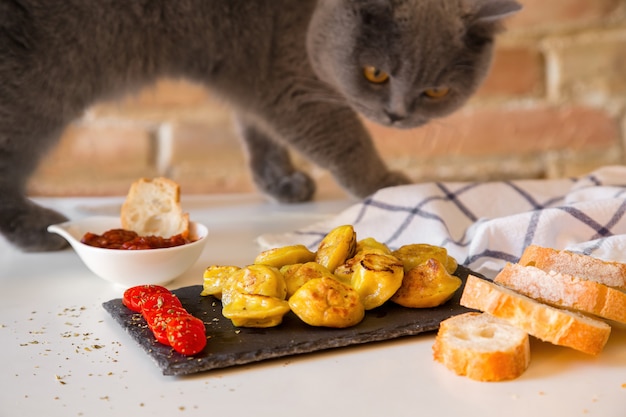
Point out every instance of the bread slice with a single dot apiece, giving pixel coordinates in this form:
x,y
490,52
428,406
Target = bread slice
x,y
152,208
563,290
482,347
587,267
551,324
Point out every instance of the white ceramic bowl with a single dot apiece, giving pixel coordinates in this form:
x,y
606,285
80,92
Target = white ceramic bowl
x,y
128,268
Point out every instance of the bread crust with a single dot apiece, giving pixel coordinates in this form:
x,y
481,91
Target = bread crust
x,y
482,347
152,208
551,324
564,290
587,267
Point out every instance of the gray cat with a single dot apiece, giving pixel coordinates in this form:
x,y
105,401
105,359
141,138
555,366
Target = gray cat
x,y
297,72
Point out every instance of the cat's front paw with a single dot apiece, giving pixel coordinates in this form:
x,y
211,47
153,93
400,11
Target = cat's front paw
x,y
394,178
27,229
295,188
389,179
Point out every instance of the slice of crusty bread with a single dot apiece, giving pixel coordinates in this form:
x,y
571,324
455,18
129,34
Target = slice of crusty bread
x,y
152,208
587,267
564,290
560,327
482,347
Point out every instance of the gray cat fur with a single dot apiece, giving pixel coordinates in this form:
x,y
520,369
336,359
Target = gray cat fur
x,y
292,70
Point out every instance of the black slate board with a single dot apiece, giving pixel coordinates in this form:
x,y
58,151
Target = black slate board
x,y
230,346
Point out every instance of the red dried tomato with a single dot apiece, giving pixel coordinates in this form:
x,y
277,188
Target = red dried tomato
x,y
186,334
168,320
159,301
133,297
158,320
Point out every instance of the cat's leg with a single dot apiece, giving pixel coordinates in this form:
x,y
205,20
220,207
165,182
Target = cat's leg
x,y
333,137
22,222
272,168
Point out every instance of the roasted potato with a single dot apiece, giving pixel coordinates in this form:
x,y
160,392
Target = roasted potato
x,y
370,245
344,271
337,246
327,302
215,278
298,274
260,280
255,297
286,255
426,285
376,277
253,310
334,286
418,253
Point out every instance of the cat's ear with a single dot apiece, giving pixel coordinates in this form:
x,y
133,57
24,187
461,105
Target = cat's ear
x,y
491,11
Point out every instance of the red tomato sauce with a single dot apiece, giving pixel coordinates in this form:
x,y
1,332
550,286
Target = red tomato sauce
x,y
129,240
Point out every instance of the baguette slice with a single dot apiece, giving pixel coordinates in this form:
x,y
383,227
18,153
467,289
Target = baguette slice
x,y
550,324
152,208
567,291
482,347
587,267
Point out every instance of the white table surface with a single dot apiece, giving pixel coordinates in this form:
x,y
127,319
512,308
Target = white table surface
x,y
63,355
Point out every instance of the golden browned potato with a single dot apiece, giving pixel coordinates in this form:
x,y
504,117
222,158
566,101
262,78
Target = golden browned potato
x,y
298,274
215,278
327,302
253,310
337,246
260,280
288,271
286,255
427,285
344,271
370,245
376,277
334,286
418,253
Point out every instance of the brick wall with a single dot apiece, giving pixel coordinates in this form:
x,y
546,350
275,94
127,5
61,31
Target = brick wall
x,y
554,105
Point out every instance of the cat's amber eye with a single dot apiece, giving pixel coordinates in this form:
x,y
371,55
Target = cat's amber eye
x,y
375,75
437,92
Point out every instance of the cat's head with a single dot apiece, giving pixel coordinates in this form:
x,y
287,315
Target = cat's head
x,y
405,62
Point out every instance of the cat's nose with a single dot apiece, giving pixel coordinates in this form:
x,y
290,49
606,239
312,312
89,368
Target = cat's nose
x,y
394,117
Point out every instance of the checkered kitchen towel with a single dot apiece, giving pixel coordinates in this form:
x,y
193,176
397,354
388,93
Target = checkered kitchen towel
x,y
486,224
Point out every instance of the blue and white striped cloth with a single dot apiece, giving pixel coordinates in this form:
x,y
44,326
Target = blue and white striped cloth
x,y
484,225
